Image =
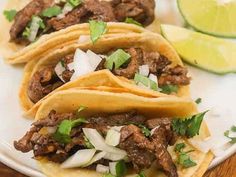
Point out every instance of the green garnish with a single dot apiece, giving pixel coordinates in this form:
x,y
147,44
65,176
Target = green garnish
x,y
117,59
121,169
74,3
141,174
132,21
108,175
198,101
183,157
168,89
62,134
226,134
41,24
52,11
63,63
10,14
97,29
188,127
179,147
87,143
145,130
138,78
26,32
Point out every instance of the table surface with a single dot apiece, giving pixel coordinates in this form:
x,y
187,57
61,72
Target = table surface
x,y
225,169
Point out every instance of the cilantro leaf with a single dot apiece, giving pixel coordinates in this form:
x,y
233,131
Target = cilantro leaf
x,y
117,59
121,169
132,21
198,101
226,134
10,14
141,174
52,11
138,78
87,143
97,29
233,128
168,89
63,63
74,3
185,160
145,130
179,147
188,127
26,32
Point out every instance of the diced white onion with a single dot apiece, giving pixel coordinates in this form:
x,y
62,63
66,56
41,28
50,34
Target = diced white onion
x,y
99,143
51,130
96,158
154,129
144,70
66,9
80,65
83,39
112,166
114,157
117,128
153,78
102,169
79,159
59,69
94,59
34,28
112,138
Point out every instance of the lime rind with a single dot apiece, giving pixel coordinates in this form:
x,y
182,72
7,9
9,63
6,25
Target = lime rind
x,y
203,51
231,22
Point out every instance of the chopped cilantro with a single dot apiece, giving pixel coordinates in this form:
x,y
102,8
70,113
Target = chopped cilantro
x,y
188,127
185,160
145,130
138,78
121,169
63,63
26,32
97,29
226,134
141,174
10,14
52,11
179,147
132,21
74,3
168,89
117,59
87,143
233,128
198,101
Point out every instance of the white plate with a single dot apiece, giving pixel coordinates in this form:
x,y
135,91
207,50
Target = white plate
x,y
218,94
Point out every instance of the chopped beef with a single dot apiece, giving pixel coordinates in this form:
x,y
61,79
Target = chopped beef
x,y
42,83
140,10
174,76
23,17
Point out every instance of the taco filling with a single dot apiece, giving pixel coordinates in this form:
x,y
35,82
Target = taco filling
x,y
40,17
149,70
101,142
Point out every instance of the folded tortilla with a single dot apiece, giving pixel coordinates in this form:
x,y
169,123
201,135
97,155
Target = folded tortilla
x,y
106,102
149,41
18,53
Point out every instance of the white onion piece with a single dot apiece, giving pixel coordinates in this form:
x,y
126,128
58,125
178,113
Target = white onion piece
x,y
83,39
34,28
99,143
114,157
94,59
51,130
80,65
79,159
112,166
102,169
66,9
144,70
96,158
59,69
112,138
117,128
154,129
153,78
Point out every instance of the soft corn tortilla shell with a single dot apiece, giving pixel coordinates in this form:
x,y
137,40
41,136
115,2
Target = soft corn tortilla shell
x,y
16,53
148,41
106,102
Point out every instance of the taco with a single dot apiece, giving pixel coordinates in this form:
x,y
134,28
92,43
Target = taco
x,y
79,133
143,64
42,22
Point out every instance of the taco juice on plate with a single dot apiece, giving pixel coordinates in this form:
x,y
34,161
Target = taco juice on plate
x,y
145,64
92,133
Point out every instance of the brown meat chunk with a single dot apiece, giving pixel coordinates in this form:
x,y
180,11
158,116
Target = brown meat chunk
x,y
42,83
140,10
174,76
23,17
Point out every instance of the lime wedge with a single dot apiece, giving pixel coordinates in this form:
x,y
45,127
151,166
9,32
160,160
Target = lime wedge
x,y
216,17
201,50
